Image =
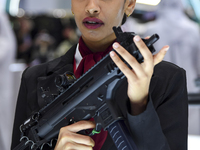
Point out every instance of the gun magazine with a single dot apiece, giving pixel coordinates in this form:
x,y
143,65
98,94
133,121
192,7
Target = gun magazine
x,y
121,136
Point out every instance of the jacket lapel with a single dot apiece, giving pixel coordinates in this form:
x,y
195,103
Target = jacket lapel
x,y
62,61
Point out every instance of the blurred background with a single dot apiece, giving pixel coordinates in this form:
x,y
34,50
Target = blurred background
x,y
35,31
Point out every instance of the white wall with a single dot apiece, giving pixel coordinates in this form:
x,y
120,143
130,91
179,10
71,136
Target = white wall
x,y
2,5
194,120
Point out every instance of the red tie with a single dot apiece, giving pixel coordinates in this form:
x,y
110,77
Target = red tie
x,y
89,60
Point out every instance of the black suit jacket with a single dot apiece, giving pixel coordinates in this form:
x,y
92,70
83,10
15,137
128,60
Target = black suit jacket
x,y
162,126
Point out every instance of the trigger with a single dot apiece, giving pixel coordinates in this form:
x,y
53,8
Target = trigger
x,y
96,130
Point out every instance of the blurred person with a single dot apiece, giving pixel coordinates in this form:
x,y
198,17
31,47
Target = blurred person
x,y
43,48
153,98
130,25
24,39
7,103
70,38
182,35
133,24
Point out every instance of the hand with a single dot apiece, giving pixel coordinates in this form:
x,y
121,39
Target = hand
x,y
68,139
139,76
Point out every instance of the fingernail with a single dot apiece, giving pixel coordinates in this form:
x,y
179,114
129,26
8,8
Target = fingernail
x,y
112,54
137,38
147,37
93,143
166,48
115,45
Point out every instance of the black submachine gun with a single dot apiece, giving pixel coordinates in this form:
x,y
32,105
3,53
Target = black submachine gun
x,y
90,96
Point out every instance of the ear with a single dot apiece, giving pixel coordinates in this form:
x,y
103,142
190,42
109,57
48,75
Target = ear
x,y
129,7
72,8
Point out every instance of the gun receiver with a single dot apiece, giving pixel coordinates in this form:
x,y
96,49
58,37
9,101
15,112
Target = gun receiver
x,y
90,96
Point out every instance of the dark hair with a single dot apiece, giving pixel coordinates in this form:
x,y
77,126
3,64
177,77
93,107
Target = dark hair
x,y
124,19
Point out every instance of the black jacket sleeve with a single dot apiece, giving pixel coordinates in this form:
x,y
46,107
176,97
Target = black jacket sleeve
x,y
164,124
20,112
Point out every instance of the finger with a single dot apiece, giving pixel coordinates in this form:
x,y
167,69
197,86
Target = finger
x,y
81,125
146,38
68,134
68,137
144,50
131,60
78,126
122,66
72,145
76,146
160,55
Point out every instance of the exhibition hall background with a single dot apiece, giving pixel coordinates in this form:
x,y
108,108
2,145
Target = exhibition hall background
x,y
36,31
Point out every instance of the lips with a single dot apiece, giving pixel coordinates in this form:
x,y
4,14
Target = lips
x,y
92,23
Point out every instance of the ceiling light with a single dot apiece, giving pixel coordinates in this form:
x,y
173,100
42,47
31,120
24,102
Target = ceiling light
x,y
148,2
14,7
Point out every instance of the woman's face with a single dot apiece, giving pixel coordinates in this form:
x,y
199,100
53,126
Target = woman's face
x,y
95,18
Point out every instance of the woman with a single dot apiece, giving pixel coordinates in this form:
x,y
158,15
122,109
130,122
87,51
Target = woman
x,y
156,90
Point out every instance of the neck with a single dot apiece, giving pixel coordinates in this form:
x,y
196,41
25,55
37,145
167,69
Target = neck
x,y
99,46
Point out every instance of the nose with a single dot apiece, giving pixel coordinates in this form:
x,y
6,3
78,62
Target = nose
x,y
92,7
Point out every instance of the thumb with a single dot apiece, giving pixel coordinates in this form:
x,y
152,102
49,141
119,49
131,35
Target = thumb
x,y
160,55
